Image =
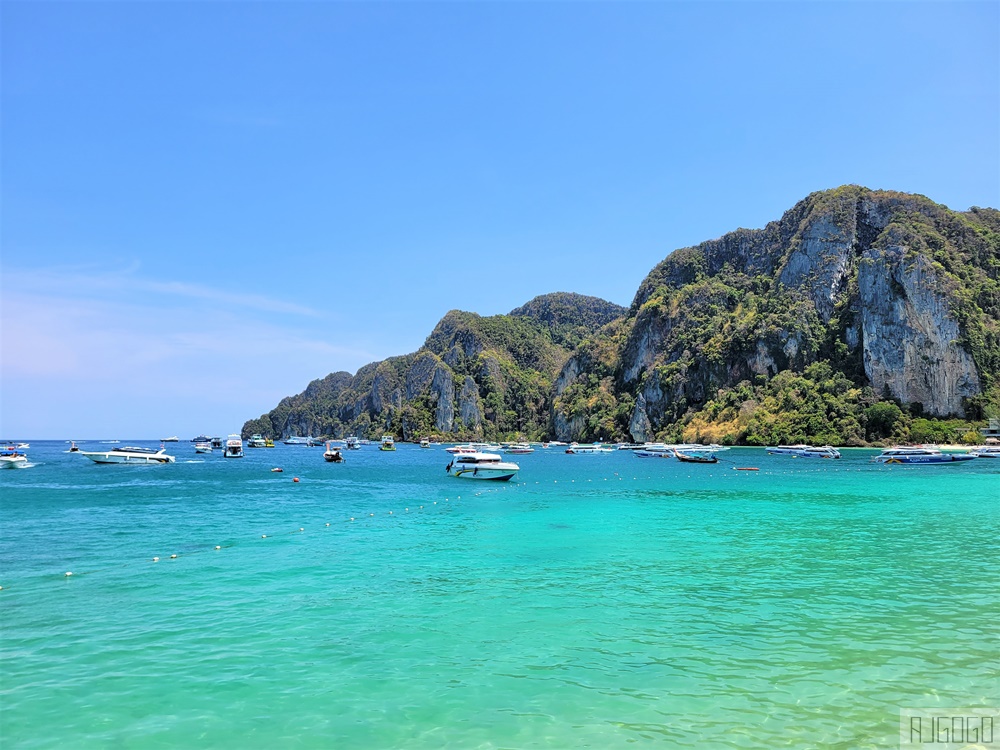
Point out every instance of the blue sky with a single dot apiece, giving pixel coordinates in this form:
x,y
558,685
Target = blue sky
x,y
207,205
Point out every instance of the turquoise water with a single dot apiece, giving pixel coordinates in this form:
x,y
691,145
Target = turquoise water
x,y
599,601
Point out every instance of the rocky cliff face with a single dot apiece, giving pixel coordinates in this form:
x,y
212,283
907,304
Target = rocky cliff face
x,y
898,294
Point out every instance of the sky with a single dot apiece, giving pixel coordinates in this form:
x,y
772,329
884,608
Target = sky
x,y
206,205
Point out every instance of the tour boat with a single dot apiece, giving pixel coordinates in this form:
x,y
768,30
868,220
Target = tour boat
x,y
296,440
388,443
256,441
804,451
12,458
129,455
986,451
595,448
918,455
352,443
518,449
234,447
203,447
481,466
332,454
171,439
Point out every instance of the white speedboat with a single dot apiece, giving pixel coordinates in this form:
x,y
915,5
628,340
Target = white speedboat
x,y
234,447
296,440
129,454
425,443
919,455
986,451
482,466
388,443
171,439
203,447
575,449
804,451
12,458
518,449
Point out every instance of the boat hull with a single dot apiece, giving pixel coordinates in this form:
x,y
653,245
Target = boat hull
x,y
128,458
491,474
942,459
13,462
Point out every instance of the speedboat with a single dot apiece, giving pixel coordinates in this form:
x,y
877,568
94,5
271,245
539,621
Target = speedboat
x,y
481,466
919,455
171,439
332,454
129,454
388,443
256,441
804,451
203,447
518,449
595,448
986,451
425,443
296,440
12,458
234,447
352,443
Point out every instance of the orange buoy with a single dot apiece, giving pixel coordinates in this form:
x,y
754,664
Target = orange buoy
x,y
295,479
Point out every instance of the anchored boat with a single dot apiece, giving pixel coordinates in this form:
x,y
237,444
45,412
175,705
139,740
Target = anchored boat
x,y
482,466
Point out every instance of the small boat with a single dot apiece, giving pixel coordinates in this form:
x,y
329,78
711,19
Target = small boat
x,y
296,440
12,458
129,455
518,449
575,449
388,443
919,455
277,470
425,443
203,447
268,442
489,466
985,451
696,457
804,451
234,447
352,443
23,446
332,454
216,442
256,441
73,447
171,439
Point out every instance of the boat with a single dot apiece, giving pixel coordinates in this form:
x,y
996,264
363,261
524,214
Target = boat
x,y
171,439
518,449
985,451
425,443
488,466
696,457
11,457
332,454
201,439
216,442
296,440
234,447
595,448
129,454
352,443
256,441
804,451
919,455
73,447
23,446
203,447
388,443
268,442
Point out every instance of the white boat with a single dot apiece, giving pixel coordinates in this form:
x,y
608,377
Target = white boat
x,y
576,449
919,455
129,454
23,446
12,458
352,443
482,466
804,451
425,443
388,443
234,447
256,441
332,454
518,449
985,451
203,447
171,439
296,440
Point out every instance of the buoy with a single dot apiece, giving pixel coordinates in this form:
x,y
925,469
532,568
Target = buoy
x,y
328,524
69,573
352,519
156,559
173,557
295,479
390,512
217,546
277,468
263,536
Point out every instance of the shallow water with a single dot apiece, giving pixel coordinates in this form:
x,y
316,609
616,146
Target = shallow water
x,y
597,601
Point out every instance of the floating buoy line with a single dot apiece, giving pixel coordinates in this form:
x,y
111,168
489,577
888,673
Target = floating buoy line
x,y
409,510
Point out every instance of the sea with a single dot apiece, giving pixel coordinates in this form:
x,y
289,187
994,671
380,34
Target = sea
x,y
595,601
